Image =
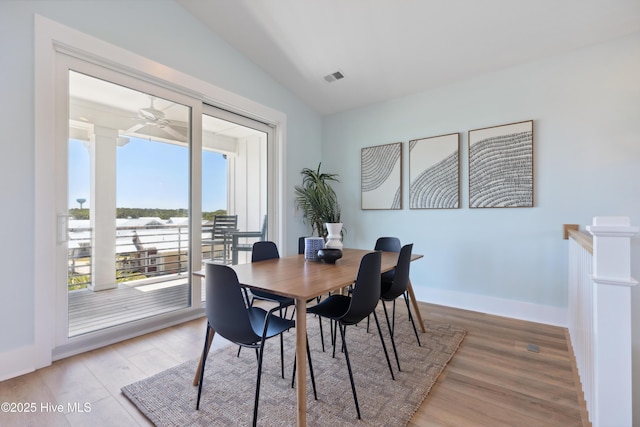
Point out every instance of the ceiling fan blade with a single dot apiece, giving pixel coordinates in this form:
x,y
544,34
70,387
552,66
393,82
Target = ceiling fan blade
x,y
135,128
177,135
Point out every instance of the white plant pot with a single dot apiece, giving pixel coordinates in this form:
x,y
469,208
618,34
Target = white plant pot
x,y
334,237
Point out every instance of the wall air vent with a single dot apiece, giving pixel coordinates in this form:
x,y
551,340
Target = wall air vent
x,y
334,76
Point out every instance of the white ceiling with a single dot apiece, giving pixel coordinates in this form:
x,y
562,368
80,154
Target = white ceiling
x,y
390,48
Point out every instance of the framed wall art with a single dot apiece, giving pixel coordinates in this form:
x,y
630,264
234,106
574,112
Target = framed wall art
x,y
434,172
501,166
381,176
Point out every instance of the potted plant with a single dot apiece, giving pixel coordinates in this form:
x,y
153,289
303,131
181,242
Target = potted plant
x,y
317,200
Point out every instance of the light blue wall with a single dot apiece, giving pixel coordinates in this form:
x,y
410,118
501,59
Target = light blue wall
x,y
586,111
160,30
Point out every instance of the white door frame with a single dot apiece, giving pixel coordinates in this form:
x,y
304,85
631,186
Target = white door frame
x,y
64,63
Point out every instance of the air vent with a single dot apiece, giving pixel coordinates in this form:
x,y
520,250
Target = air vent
x,y
334,76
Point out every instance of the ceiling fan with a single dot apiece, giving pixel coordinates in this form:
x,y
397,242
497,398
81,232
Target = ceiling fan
x,y
151,116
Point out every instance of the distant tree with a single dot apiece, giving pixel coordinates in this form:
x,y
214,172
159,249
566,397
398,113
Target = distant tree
x,y
208,216
165,214
77,213
151,212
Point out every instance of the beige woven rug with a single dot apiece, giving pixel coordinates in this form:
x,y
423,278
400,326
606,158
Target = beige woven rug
x,y
169,398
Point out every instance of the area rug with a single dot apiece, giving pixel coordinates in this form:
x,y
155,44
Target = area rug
x,y
169,398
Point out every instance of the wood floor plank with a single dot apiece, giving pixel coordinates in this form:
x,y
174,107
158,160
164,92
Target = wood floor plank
x,y
540,387
506,400
479,412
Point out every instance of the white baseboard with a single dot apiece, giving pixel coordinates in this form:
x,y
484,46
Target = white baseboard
x,y
16,362
538,313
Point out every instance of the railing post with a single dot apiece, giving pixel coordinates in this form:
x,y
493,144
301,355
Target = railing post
x,y
179,250
612,320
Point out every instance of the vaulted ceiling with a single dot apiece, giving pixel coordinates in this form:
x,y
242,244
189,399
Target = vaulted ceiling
x,y
390,48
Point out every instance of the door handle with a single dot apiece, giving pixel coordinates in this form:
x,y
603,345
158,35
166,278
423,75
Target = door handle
x,y
62,228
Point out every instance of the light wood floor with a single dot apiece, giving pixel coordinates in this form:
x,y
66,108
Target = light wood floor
x,y
492,380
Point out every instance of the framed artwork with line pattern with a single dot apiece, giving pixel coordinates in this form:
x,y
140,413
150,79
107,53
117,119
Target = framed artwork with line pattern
x,y
381,176
501,166
434,172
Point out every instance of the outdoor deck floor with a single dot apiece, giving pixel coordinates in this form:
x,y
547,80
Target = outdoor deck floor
x,y
90,311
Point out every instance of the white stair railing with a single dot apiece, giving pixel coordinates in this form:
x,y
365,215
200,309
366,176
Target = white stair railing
x,y
600,319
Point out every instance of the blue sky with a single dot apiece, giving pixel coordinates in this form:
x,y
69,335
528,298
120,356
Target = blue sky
x,y
150,174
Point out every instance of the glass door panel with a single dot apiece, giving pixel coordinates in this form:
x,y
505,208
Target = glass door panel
x,y
234,186
128,205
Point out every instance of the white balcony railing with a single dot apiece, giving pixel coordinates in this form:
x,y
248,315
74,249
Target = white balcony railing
x,y
600,318
141,252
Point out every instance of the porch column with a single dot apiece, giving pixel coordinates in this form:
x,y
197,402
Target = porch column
x,y
103,143
612,320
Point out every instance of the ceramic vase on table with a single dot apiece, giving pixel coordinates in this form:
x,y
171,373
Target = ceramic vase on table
x,y
334,238
311,247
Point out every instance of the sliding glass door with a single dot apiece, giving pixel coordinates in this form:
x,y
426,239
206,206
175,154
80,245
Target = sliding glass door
x,y
146,173
128,203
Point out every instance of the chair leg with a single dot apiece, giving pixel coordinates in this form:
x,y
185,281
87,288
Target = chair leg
x,y
393,342
346,355
255,406
343,337
393,317
282,356
415,331
321,333
384,346
313,378
318,299
204,360
334,336
249,303
282,344
293,374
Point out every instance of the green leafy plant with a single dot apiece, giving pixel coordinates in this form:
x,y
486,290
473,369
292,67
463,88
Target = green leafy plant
x,y
317,200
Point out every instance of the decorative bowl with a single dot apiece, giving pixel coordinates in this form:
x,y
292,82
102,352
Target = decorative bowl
x,y
329,255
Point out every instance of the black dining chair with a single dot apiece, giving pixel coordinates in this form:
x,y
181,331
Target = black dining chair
x,y
301,245
265,250
388,244
262,251
398,287
301,248
349,310
250,327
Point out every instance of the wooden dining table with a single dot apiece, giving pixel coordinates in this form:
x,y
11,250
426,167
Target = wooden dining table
x,y
302,280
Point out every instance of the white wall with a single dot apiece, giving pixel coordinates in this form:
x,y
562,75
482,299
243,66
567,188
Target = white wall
x,y
160,30
586,111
